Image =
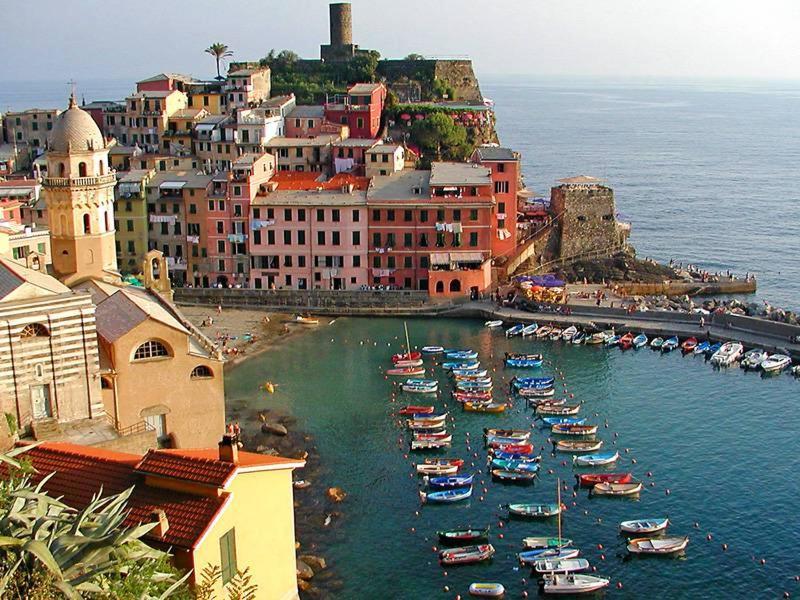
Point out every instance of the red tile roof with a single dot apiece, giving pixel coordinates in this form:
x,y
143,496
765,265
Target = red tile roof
x,y
305,180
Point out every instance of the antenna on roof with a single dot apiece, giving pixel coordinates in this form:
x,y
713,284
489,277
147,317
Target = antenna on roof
x,y
73,87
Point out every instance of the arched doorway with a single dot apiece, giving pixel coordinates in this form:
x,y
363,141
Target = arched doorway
x,y
440,287
455,285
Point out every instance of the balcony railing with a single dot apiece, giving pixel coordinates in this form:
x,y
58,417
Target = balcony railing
x,y
79,181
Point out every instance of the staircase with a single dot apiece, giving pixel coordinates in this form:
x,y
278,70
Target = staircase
x,y
46,429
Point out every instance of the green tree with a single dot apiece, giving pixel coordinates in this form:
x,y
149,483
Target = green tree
x,y
440,138
414,56
219,51
362,66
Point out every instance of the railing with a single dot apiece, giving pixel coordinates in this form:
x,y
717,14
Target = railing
x,y
79,181
140,427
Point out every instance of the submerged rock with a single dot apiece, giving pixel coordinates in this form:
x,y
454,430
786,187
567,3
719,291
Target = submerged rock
x,y
274,428
336,494
303,570
317,563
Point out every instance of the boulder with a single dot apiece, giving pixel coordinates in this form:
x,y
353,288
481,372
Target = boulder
x,y
274,428
336,494
303,585
317,563
303,570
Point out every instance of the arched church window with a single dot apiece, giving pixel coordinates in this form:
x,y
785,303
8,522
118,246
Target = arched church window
x,y
61,169
101,168
32,330
82,169
87,223
201,372
151,349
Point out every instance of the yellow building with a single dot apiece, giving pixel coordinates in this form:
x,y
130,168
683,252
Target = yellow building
x,y
146,118
130,219
215,507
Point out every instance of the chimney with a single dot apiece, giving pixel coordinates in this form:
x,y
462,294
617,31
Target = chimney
x,y
229,450
162,525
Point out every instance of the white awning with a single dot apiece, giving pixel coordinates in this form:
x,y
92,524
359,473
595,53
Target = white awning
x,y
466,257
440,258
172,185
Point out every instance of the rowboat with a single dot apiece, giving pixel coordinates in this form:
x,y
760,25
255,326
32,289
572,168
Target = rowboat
x,y
461,354
590,479
437,470
529,329
487,590
617,489
702,347
515,330
468,535
522,356
420,387
474,396
406,371
444,461
432,349
689,345
626,341
666,546
796,371
593,460
670,344
529,557
431,444
534,511
523,477
549,401
466,554
560,565
485,407
555,333
644,526
516,456
471,365
483,384
556,410
468,373
436,435
425,426
449,482
579,338
573,583
596,338
639,341
612,341
657,342
406,356
578,446
727,354
752,359
569,333
563,420
543,331
536,392
493,324
573,429
426,419
513,449
515,465
520,433
409,363
543,543
446,496
412,409
523,363
776,363
533,382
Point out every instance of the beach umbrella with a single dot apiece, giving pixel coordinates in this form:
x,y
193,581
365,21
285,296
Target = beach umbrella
x,y
405,117
419,117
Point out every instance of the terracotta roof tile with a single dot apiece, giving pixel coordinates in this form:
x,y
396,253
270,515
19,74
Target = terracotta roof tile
x,y
205,471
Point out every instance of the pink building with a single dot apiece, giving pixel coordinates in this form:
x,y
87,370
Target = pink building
x,y
504,166
308,234
360,109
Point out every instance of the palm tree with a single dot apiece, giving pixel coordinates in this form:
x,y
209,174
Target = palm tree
x,y
219,51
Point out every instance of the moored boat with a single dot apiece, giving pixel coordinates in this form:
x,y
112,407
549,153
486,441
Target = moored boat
x,y
670,344
301,320
420,387
665,546
579,338
543,331
563,420
573,429
406,356
689,345
591,479
446,496
431,444
644,526
468,373
569,333
485,407
515,456
466,554
529,330
515,330
626,341
409,363
473,396
594,460
752,359
617,489
539,543
523,363
406,371
702,347
776,363
436,470
416,410
573,583
487,590
515,433
523,356
578,446
523,477
493,324
432,435
612,341
449,482
640,341
727,354
529,557
513,448
432,349
656,343
555,333
516,465
471,365
557,409
461,354
560,565
463,535
596,338
531,392
534,511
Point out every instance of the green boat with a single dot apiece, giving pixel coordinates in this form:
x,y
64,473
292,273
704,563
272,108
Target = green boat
x,y
534,511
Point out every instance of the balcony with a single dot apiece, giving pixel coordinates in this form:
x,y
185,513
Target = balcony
x,y
61,182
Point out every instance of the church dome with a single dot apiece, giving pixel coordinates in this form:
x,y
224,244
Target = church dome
x,y
74,130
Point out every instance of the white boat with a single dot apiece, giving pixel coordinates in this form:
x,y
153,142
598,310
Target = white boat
x,y
432,349
569,333
595,460
796,371
529,329
776,363
560,565
573,583
728,353
752,359
644,526
493,324
433,469
301,320
666,546
487,590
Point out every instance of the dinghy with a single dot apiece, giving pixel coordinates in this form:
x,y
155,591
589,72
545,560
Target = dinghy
x,y
689,345
522,434
617,489
446,496
513,449
461,355
573,429
436,470
463,397
523,363
522,356
563,421
557,410
560,565
529,329
591,479
416,410
487,590
406,371
431,444
626,341
532,382
727,354
702,347
493,324
515,456
569,333
656,343
515,330
666,546
776,363
594,460
496,441
752,359
484,384
543,543
578,446
644,526
579,338
465,535
420,387
555,334
461,365
459,462
534,511
515,465
485,407
529,557
301,320
543,332
406,356
449,482
408,363
530,393
573,583
468,373
466,555
432,349
596,338
439,438
521,477
670,344
640,341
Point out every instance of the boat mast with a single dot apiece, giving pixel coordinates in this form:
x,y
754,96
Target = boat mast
x,y
558,496
408,344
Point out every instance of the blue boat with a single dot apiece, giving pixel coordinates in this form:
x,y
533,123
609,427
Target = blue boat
x,y
505,441
702,347
516,456
538,383
515,330
594,460
529,329
613,341
468,365
461,354
530,556
563,421
421,382
445,496
524,363
515,465
640,341
713,348
670,344
656,343
449,482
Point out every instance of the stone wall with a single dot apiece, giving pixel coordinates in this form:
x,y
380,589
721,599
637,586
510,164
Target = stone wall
x,y
587,219
459,75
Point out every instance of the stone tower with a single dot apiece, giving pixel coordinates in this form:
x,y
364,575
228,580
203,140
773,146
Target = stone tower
x,y
79,192
585,210
341,47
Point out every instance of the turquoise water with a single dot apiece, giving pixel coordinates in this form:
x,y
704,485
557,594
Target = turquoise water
x,y
723,442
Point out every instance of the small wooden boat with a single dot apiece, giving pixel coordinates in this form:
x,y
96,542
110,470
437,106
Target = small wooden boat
x,y
590,479
543,332
532,382
670,344
523,477
449,482
515,330
465,535
406,371
482,384
569,333
493,324
578,445
485,407
626,341
617,489
595,338
536,401
470,365
513,448
409,363
612,341
557,410
640,341
529,557
446,496
432,349
425,426
301,320
543,543
412,409
573,583
515,433
406,356
459,462
536,392
468,373
516,466
466,554
796,371
420,388
573,429
563,421
702,347
487,590
644,526
666,546
437,435
534,511
727,354
523,363
752,359
529,329
656,343
689,345
431,444
776,363
426,419
579,338
472,376
436,470
474,396
594,460
497,440
560,565
522,356
461,354
555,333
515,456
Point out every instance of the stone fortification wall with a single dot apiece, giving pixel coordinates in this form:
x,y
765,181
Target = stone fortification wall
x,y
587,219
456,74
459,75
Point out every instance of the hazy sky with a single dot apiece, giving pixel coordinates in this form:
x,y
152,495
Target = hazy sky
x,y
54,39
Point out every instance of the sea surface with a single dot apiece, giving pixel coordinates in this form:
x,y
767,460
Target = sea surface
x,y
717,450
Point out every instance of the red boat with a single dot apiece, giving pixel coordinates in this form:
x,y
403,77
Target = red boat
x,y
406,371
415,410
590,479
472,396
431,436
626,341
455,462
406,356
689,345
514,448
